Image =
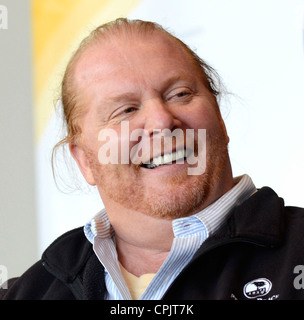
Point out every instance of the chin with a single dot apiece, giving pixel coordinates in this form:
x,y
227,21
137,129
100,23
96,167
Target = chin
x,y
184,197
176,200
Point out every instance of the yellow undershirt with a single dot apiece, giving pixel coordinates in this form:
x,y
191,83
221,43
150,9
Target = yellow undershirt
x,y
136,285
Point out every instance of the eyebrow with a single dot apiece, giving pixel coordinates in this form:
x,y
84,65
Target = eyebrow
x,y
120,97
165,85
181,76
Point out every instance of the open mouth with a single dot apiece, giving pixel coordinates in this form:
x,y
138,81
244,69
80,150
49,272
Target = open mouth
x,y
167,159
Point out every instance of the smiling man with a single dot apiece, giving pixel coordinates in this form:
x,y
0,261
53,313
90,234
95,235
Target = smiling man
x,y
164,233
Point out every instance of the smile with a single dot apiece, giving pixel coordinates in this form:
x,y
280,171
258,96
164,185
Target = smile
x,y
167,159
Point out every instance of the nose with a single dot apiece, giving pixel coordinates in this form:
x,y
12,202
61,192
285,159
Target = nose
x,y
158,116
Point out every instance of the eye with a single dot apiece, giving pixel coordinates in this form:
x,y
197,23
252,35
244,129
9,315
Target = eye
x,y
181,94
130,109
124,111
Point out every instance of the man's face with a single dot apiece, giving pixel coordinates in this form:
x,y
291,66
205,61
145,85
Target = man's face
x,y
152,85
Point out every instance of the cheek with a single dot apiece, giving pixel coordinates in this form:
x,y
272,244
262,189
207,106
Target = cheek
x,y
114,146
205,117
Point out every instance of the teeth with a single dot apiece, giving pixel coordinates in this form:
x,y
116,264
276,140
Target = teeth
x,y
167,158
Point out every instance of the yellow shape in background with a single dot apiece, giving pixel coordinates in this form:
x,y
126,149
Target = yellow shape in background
x,y
58,27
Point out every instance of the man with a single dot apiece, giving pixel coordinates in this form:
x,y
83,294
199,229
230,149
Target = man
x,y
166,232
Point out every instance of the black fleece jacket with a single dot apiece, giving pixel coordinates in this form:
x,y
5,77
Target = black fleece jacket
x,y
253,256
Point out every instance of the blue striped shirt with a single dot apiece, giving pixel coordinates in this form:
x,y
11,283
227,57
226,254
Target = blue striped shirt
x,y
189,234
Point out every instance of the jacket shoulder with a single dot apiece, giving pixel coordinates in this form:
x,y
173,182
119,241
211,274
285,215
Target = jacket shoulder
x,y
48,278
294,217
36,284
67,255
295,212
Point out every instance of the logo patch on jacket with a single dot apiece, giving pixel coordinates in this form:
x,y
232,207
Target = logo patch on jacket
x,y
257,288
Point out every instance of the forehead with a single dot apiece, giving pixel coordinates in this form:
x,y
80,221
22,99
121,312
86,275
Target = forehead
x,y
146,56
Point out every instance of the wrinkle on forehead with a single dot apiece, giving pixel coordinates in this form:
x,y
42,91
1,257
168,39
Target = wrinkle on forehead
x,y
98,58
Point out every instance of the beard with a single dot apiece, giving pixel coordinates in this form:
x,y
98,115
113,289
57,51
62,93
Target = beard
x,y
185,194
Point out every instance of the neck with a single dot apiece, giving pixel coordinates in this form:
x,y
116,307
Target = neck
x,y
142,242
139,260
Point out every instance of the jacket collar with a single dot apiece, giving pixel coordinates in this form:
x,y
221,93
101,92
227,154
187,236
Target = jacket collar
x,y
258,220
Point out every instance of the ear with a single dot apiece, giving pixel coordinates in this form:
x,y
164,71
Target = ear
x,y
82,161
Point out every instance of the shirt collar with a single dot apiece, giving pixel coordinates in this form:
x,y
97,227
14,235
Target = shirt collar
x,y
212,217
206,221
99,226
